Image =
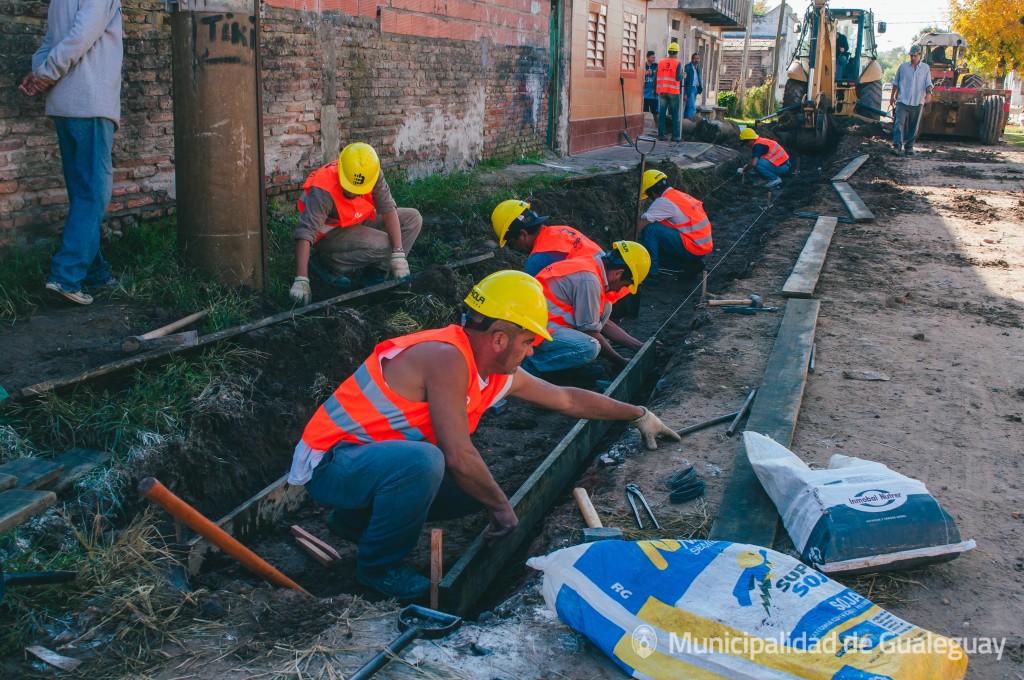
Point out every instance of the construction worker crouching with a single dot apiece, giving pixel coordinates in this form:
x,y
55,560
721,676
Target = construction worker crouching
x,y
766,156
352,225
675,228
524,231
580,293
391,448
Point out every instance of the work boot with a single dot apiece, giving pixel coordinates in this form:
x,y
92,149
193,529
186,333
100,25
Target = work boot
x,y
79,297
895,151
373,275
339,281
774,183
399,582
910,151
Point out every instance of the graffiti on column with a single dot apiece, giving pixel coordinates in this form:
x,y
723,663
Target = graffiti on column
x,y
224,38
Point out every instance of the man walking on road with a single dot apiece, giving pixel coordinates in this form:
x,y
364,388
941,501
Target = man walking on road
x,y
650,83
668,86
391,448
911,90
692,85
78,66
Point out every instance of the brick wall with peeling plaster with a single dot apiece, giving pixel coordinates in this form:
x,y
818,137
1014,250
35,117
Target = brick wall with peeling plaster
x,y
447,83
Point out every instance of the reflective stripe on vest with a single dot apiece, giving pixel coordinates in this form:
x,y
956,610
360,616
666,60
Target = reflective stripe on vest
x,y
560,313
364,409
667,76
351,211
776,154
696,230
562,239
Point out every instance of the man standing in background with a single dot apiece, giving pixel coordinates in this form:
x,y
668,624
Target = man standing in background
x,y
79,67
668,86
650,80
692,85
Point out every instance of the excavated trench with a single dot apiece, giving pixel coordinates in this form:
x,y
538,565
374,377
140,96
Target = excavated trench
x,y
232,453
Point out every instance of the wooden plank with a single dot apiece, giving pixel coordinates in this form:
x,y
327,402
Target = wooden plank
x,y
139,359
747,514
250,519
804,278
18,505
857,209
852,167
7,482
32,473
77,462
470,577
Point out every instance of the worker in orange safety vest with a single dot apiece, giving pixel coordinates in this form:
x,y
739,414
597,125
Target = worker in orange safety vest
x,y
669,86
766,156
391,448
524,230
675,228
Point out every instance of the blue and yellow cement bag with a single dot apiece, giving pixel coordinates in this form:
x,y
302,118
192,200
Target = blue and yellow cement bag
x,y
713,609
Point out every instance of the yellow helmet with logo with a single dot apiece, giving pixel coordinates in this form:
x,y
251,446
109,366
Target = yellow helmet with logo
x,y
747,133
358,168
637,259
507,212
673,47
513,296
651,177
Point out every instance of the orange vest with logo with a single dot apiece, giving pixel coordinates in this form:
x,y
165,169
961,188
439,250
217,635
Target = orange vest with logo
x,y
560,313
776,154
351,211
364,409
696,230
667,71
562,239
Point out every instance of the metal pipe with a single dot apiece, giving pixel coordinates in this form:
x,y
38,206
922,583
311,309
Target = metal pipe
x,y
742,412
152,489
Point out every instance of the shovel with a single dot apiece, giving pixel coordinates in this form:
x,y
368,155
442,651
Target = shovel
x,y
415,622
41,578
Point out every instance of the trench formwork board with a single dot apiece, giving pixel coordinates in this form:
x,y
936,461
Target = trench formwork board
x,y
251,519
77,462
7,482
747,514
854,204
140,359
804,278
469,578
32,473
853,166
18,505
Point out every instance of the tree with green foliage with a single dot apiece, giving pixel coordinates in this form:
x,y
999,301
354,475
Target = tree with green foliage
x,y
994,30
760,8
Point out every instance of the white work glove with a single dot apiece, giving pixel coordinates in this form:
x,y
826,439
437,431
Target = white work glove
x,y
740,171
300,292
399,265
650,427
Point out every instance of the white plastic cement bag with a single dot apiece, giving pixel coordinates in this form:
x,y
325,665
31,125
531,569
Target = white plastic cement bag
x,y
856,515
713,609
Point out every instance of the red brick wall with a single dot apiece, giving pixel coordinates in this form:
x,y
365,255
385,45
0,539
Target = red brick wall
x,y
432,84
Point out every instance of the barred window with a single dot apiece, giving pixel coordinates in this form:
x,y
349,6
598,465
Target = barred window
x,y
597,32
630,33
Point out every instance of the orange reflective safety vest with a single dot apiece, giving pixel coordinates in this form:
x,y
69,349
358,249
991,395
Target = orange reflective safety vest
x,y
667,72
364,409
351,211
696,230
776,154
562,239
560,313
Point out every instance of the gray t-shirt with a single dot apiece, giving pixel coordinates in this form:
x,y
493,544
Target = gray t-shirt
x,y
582,291
320,207
82,51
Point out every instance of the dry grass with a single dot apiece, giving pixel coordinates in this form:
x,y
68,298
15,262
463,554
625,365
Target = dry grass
x,y
887,589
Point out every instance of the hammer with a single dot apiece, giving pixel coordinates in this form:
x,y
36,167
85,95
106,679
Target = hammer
x,y
595,531
161,337
754,301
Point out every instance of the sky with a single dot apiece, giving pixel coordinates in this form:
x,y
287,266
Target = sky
x,y
904,18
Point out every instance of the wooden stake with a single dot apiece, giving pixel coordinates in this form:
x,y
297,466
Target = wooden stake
x,y
436,563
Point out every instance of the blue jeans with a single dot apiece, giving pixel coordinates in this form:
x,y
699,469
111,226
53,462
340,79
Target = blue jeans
x,y
691,103
664,244
905,123
384,492
85,145
769,171
568,348
668,104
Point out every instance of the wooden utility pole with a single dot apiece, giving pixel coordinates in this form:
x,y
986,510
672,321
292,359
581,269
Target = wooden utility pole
x,y
778,56
746,54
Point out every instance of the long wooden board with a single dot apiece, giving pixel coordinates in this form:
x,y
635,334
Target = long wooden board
x,y
804,278
77,463
32,473
470,577
7,482
852,167
17,505
747,514
139,359
854,204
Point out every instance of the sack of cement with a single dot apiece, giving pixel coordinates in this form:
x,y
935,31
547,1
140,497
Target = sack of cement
x,y
702,609
856,516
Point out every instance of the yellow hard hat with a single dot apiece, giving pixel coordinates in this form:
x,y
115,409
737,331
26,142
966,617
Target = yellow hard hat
x,y
673,47
746,134
637,259
651,177
358,168
513,296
